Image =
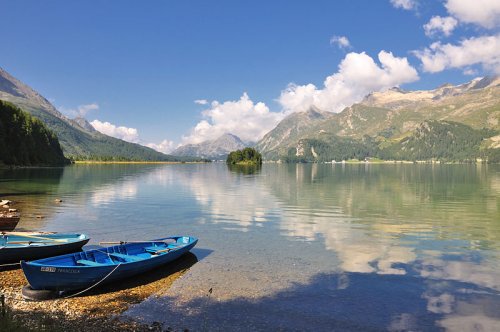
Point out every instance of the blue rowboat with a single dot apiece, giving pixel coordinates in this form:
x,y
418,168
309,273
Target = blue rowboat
x,y
17,246
90,267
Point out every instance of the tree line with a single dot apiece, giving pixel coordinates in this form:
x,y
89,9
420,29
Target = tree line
x,y
26,141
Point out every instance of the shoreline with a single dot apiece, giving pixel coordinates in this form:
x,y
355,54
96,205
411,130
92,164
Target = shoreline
x,y
135,162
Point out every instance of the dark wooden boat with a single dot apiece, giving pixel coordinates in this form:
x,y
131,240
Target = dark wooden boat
x,y
87,268
9,220
17,246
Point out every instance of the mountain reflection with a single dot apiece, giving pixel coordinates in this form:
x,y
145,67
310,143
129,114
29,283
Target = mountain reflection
x,y
334,241
374,217
352,247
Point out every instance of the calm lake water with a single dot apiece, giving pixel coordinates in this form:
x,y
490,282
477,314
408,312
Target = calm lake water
x,y
294,247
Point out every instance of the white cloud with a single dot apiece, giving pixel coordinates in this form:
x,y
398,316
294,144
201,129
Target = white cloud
x,y
470,72
485,13
404,4
438,25
483,51
358,75
131,135
341,41
124,133
201,101
243,118
81,111
165,146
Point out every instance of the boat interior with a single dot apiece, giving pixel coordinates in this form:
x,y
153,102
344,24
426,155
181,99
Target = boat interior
x,y
118,254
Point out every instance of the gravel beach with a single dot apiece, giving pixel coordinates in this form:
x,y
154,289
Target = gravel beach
x,y
97,310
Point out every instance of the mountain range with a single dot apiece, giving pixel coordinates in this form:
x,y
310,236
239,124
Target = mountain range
x,y
217,149
79,140
385,119
393,124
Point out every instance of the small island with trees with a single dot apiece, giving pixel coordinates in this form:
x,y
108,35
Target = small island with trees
x,y
247,156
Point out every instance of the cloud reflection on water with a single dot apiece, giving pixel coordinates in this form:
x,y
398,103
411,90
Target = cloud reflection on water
x,y
411,222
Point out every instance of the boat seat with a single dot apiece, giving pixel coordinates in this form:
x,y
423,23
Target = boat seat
x,y
154,250
127,258
89,263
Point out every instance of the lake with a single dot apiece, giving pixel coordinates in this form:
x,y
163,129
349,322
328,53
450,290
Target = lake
x,y
349,247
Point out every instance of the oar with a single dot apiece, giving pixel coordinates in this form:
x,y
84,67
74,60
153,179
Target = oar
x,y
28,242
36,237
123,242
26,233
163,250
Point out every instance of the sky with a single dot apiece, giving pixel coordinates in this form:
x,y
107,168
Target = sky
x,y
165,73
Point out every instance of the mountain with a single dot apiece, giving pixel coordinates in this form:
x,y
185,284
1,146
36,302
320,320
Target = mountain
x,y
83,123
217,149
77,137
276,142
330,147
442,140
26,141
385,118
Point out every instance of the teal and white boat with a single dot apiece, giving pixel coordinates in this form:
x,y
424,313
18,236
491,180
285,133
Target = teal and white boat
x,y
17,246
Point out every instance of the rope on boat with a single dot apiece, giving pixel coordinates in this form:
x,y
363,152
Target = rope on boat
x,y
97,283
11,264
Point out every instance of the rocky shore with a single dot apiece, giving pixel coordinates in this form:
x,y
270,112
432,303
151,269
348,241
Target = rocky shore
x,y
97,310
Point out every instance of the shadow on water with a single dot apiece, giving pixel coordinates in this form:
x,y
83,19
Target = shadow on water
x,y
201,253
339,302
245,169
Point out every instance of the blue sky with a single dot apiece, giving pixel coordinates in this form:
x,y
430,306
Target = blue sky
x,y
142,64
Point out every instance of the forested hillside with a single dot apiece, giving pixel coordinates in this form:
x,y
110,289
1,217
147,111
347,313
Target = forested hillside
x,y
440,140
78,141
445,141
26,141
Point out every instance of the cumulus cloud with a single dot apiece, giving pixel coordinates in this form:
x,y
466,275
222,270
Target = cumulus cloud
x,y
440,25
341,41
483,51
165,146
248,120
124,133
131,135
485,13
81,111
404,4
201,101
357,76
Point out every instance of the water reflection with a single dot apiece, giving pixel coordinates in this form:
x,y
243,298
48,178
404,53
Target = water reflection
x,y
231,198
410,206
434,227
111,193
245,169
35,189
410,247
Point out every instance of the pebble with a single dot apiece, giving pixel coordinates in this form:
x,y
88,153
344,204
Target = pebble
x,y
95,311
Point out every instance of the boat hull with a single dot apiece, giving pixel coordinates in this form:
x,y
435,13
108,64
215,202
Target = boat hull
x,y
67,277
30,252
